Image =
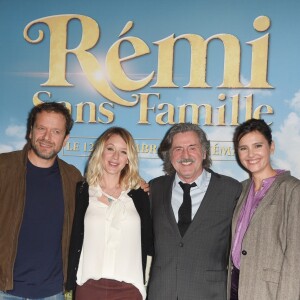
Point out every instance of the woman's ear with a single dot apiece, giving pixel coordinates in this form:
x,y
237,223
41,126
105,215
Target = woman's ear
x,y
272,147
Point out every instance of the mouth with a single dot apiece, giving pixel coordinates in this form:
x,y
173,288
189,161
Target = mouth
x,y
253,161
186,163
44,144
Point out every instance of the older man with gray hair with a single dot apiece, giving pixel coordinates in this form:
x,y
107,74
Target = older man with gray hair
x,y
192,207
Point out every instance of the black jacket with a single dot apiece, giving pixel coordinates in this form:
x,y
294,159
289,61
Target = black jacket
x,y
142,205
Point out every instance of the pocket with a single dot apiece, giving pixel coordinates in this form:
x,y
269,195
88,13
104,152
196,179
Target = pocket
x,y
271,275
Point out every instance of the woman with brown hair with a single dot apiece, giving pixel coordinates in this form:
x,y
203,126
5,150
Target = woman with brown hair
x,y
265,261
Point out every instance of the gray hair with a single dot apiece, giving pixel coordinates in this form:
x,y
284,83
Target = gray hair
x,y
166,145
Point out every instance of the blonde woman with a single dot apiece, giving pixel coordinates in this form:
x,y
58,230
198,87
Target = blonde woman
x,y
112,230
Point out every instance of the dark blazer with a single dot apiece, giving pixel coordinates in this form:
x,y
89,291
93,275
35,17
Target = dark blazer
x,y
142,205
195,266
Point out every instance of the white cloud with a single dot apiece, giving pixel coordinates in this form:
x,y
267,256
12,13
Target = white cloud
x,y
19,144
295,102
230,168
221,133
281,163
151,168
5,148
15,138
16,131
288,141
12,146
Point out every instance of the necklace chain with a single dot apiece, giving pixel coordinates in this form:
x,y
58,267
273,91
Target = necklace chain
x,y
111,196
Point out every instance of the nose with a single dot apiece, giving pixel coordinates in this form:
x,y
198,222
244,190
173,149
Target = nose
x,y
185,153
116,155
250,152
47,134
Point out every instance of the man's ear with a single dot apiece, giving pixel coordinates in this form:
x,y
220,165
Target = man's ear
x,y
66,139
30,133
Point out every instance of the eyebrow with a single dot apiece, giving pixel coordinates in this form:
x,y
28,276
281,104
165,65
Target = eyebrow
x,y
255,143
191,145
111,144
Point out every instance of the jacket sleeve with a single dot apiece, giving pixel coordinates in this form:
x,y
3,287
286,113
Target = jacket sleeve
x,y
76,241
289,282
142,204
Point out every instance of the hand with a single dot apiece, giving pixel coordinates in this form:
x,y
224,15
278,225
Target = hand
x,y
144,185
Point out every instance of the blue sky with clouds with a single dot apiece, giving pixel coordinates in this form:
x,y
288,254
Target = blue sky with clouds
x,y
25,66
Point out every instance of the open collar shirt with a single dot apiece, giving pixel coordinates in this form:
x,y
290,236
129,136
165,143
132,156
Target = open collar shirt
x,y
197,193
249,207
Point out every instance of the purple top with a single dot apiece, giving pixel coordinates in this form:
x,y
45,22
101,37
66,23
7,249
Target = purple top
x,y
246,214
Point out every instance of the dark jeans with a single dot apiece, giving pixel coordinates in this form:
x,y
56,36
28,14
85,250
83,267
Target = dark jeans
x,y
5,296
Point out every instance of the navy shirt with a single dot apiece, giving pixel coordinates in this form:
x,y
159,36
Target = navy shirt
x,y
38,266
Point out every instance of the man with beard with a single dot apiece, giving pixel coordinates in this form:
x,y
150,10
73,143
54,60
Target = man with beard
x,y
37,191
192,207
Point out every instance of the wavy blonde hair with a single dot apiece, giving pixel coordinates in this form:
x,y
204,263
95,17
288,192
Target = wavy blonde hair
x,y
129,178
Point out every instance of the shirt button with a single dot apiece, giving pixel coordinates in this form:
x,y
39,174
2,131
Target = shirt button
x,y
180,244
244,252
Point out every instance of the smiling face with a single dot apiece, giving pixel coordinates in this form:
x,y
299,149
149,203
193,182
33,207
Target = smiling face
x,y
254,153
47,138
187,156
114,156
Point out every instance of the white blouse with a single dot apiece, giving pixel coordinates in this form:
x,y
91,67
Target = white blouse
x,y
112,241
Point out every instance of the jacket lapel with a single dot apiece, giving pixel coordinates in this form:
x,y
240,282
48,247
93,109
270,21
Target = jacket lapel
x,y
267,199
240,204
262,205
206,204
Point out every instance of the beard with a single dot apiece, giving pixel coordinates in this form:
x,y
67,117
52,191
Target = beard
x,y
44,155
